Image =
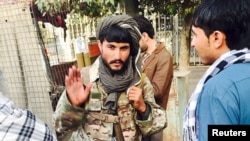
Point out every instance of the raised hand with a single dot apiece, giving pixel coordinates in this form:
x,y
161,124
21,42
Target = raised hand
x,y
76,92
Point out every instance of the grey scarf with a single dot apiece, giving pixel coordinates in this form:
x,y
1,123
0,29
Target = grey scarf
x,y
117,82
113,85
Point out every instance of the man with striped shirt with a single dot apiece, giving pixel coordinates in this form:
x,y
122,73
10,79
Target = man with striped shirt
x,y
20,124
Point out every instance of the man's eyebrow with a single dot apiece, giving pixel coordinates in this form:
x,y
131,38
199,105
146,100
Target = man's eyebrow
x,y
125,46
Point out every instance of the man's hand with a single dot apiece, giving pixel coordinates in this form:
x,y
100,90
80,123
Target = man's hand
x,y
135,95
76,92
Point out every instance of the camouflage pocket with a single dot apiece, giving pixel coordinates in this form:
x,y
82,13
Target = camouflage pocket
x,y
95,99
95,103
126,114
98,129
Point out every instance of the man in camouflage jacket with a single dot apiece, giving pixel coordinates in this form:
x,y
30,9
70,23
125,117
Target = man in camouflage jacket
x,y
118,102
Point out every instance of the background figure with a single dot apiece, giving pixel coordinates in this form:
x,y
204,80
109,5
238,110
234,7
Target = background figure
x,y
20,124
221,36
118,103
157,64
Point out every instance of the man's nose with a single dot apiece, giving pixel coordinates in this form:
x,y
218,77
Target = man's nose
x,y
117,54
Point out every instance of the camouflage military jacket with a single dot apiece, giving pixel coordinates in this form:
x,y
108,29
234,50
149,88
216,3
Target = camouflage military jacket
x,y
89,122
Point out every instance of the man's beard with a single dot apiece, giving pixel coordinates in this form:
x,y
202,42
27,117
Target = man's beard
x,y
113,72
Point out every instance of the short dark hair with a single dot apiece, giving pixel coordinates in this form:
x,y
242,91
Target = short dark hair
x,y
232,17
145,25
115,33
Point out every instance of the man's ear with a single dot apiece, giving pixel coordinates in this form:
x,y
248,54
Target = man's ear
x,y
219,39
99,45
144,36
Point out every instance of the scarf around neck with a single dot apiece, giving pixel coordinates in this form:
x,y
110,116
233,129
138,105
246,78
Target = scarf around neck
x,y
117,82
113,85
190,123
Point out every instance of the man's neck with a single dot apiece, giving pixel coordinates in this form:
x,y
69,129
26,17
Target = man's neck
x,y
152,44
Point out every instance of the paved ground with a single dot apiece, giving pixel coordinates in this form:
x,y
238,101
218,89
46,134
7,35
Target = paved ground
x,y
177,103
194,76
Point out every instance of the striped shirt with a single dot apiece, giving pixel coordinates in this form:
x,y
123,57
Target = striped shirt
x,y
21,125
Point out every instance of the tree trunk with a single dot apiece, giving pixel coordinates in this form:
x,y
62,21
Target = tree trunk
x,y
185,43
131,6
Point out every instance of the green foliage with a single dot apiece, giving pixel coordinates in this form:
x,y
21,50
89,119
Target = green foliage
x,y
168,7
94,9
91,8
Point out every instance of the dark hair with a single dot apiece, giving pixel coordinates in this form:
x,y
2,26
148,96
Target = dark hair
x,y
115,33
232,17
145,25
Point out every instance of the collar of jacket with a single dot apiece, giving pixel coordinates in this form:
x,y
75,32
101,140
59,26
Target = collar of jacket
x,y
93,71
159,48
